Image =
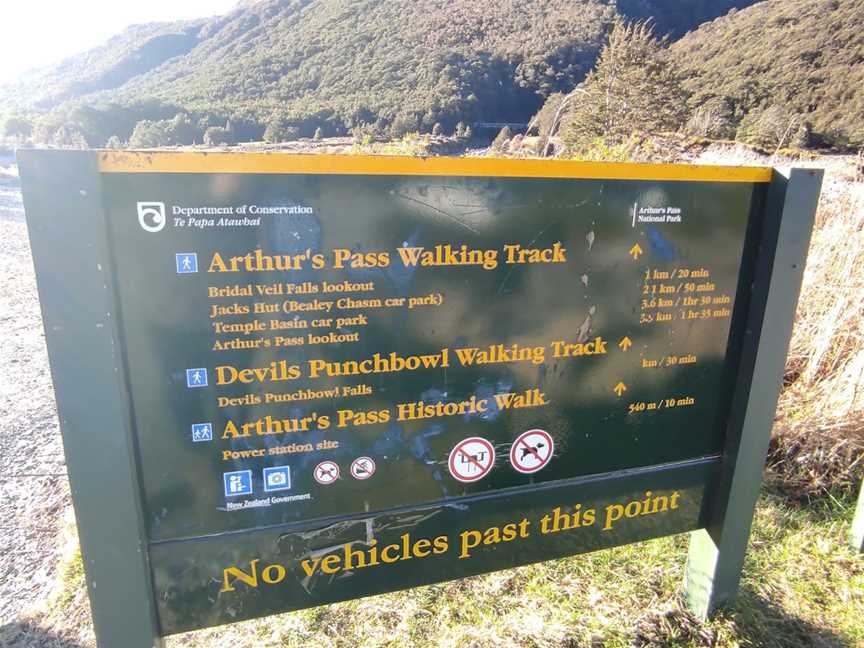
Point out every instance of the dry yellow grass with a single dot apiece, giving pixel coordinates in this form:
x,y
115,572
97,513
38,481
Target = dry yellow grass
x,y
819,433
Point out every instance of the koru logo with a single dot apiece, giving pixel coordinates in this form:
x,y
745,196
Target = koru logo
x,y
151,216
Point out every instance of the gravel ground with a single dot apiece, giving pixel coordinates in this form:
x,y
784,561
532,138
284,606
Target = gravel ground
x,y
34,491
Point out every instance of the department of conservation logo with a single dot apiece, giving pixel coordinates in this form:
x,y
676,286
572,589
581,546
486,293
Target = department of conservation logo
x,y
151,216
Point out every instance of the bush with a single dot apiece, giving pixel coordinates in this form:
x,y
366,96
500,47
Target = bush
x,y
772,128
68,136
278,130
164,132
634,88
714,119
17,127
403,124
318,134
218,136
502,139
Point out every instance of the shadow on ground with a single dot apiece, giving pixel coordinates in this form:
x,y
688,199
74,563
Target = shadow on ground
x,y
28,635
752,621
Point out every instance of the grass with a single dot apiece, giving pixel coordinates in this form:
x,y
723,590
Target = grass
x,y
819,439
802,586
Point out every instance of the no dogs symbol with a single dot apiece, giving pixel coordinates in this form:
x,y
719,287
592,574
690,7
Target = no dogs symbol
x,y
471,459
531,451
326,472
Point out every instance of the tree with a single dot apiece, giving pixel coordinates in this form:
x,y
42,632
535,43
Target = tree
x,y
150,134
17,127
502,140
114,143
67,136
714,119
318,134
436,129
635,87
773,128
217,136
460,130
278,130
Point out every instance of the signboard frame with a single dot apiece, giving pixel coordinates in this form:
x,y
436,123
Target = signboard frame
x,y
78,301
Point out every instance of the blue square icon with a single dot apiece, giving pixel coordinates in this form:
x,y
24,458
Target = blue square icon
x,y
237,482
186,262
196,377
202,432
277,478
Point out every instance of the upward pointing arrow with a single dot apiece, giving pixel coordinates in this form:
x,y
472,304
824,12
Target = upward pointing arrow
x,y
635,251
620,388
625,343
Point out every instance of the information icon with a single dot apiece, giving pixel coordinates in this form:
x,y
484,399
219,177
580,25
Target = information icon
x,y
326,472
531,451
362,468
471,459
237,482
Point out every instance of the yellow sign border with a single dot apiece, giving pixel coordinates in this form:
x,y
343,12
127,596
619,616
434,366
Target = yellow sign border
x,y
276,163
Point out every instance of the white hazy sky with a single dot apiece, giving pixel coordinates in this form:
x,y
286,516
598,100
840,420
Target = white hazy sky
x,y
34,33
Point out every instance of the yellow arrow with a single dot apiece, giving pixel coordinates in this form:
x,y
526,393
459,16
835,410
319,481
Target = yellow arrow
x,y
625,343
635,251
620,388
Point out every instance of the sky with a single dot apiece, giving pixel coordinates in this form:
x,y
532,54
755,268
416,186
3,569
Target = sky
x,y
35,33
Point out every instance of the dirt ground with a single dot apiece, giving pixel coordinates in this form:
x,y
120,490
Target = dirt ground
x,y
34,491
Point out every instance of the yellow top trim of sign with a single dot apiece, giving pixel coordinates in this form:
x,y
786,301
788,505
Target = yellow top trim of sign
x,y
199,162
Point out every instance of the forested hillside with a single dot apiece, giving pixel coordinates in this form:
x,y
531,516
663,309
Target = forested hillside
x,y
798,63
287,68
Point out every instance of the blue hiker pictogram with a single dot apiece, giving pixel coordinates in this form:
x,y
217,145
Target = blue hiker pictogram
x,y
202,432
187,262
196,377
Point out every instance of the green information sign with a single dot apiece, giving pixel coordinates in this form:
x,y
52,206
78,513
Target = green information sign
x,y
305,379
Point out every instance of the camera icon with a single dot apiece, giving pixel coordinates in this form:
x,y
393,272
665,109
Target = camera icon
x,y
277,478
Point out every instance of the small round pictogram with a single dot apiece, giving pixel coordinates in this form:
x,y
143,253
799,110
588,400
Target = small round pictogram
x,y
362,468
531,451
471,459
326,472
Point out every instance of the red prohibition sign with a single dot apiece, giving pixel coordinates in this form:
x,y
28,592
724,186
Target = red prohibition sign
x,y
362,468
326,472
531,451
471,459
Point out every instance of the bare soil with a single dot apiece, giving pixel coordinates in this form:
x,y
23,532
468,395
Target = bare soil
x,y
34,491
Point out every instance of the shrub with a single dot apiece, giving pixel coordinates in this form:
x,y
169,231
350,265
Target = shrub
x,y
771,129
502,139
635,87
218,136
714,119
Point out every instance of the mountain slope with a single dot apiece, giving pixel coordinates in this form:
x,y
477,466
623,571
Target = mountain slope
x,y
801,58
399,65
419,61
135,51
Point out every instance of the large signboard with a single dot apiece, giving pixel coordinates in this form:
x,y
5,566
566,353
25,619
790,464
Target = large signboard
x,y
347,375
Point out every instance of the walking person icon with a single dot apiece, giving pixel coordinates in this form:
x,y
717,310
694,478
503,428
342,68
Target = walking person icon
x,y
186,262
196,377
